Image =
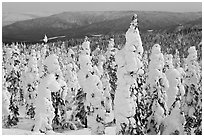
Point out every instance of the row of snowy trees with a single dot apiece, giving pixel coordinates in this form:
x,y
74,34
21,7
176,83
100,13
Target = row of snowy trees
x,y
147,94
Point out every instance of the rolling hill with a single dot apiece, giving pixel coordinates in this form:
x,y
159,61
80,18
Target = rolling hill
x,y
79,24
12,17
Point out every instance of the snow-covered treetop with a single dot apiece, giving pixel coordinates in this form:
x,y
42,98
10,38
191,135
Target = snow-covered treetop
x,y
52,63
32,61
193,67
111,50
133,50
85,62
177,59
15,48
58,51
156,49
111,43
86,38
43,50
133,39
38,54
134,20
96,52
155,67
33,53
9,52
156,58
71,53
173,76
70,56
169,60
192,54
86,46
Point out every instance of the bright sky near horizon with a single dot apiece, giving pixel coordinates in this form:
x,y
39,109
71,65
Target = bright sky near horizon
x,y
57,7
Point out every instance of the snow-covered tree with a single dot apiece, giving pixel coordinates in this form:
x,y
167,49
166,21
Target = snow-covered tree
x,y
177,65
193,68
129,66
174,122
175,113
157,84
174,79
31,82
110,50
111,67
193,93
5,101
43,55
86,46
95,104
13,79
48,83
58,102
92,86
106,92
70,73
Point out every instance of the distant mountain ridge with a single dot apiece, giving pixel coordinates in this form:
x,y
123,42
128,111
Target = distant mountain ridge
x,y
12,17
79,24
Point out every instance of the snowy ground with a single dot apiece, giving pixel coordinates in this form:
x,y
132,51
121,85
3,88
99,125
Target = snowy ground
x,y
25,125
24,129
16,131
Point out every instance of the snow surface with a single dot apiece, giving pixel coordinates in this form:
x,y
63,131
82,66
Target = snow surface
x,y
25,125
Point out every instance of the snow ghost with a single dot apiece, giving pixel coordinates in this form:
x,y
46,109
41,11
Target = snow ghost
x,y
44,109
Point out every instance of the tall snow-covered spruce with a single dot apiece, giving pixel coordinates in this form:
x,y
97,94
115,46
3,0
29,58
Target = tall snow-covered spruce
x,y
13,80
110,66
157,84
31,83
129,66
193,95
92,86
5,102
48,83
174,121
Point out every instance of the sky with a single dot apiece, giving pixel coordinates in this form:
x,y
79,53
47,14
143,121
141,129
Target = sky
x,y
57,7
